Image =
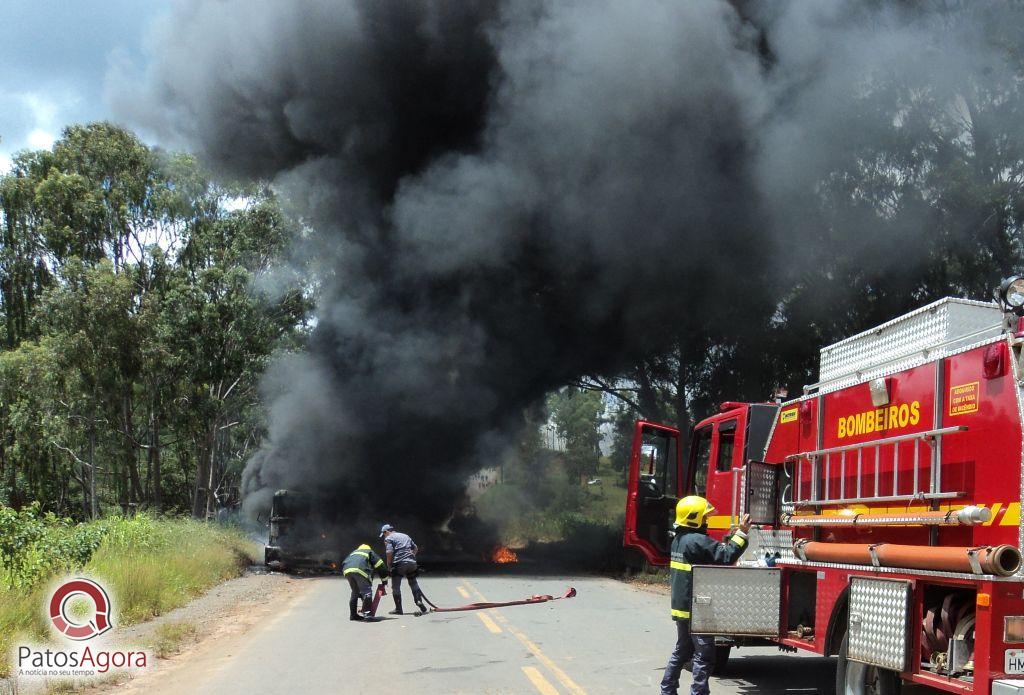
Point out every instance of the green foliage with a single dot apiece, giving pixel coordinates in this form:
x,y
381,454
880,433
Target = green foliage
x,y
623,419
34,545
577,415
134,333
150,566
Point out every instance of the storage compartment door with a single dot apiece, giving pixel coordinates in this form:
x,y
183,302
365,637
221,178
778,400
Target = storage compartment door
x,y
762,493
736,601
879,622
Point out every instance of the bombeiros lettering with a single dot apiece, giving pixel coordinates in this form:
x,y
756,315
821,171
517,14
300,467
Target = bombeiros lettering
x,y
892,417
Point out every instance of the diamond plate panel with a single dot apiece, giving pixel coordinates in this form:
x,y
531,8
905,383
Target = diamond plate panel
x,y
901,343
761,481
778,542
879,616
736,601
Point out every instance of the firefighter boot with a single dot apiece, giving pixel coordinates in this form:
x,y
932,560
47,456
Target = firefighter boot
x,y
421,605
352,615
398,606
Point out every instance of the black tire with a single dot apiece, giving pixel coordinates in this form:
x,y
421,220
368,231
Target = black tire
x,y
864,680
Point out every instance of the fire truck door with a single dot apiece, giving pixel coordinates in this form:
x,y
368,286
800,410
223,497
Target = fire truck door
x,y
653,490
724,473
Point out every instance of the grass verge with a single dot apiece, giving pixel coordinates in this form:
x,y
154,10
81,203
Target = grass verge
x,y
171,636
149,566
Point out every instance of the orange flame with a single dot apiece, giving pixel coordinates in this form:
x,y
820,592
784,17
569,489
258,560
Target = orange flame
x,y
502,554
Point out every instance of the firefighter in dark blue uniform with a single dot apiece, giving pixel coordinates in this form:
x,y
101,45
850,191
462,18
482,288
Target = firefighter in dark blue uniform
x,y
692,546
358,568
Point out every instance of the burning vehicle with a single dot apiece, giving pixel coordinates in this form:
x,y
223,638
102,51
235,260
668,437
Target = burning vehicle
x,y
301,534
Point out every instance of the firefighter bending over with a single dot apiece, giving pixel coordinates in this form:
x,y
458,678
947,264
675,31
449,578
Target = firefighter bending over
x,y
358,568
692,546
400,551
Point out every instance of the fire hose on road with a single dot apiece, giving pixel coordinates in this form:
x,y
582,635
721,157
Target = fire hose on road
x,y
482,605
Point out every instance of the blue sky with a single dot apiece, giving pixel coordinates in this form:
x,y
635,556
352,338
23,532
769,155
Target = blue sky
x,y
54,58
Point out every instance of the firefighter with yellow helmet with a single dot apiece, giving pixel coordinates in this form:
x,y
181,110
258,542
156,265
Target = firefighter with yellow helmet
x,y
358,568
692,546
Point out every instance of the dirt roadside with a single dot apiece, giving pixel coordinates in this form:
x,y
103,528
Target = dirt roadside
x,y
184,635
225,613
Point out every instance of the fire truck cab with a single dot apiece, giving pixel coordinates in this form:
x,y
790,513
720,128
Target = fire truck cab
x,y
885,501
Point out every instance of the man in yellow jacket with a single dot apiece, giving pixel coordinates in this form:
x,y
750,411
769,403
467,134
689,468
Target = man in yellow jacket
x,y
358,568
692,546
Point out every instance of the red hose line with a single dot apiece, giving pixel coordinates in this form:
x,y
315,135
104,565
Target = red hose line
x,y
541,598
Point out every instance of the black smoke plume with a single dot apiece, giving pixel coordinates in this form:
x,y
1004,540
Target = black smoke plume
x,y
506,195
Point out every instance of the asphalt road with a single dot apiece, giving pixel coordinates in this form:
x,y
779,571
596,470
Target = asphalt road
x,y
611,638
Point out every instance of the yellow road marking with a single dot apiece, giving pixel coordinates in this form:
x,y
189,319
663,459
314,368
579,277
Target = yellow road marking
x,y
561,675
563,678
491,625
473,589
463,592
539,681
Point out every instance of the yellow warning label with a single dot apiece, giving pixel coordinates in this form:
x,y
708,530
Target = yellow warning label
x,y
787,416
963,399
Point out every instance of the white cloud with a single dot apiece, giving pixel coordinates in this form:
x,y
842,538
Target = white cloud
x,y
40,139
54,56
42,122
44,111
5,163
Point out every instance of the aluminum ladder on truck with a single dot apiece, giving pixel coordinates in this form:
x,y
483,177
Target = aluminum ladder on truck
x,y
821,462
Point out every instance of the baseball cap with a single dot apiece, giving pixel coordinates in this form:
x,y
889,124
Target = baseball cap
x,y
385,528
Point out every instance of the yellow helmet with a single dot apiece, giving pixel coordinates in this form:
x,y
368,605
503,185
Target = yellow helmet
x,y
364,547
693,511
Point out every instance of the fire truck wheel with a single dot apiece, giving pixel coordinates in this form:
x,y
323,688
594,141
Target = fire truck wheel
x,y
853,678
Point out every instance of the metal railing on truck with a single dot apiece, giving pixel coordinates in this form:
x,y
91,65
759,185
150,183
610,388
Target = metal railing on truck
x,y
823,460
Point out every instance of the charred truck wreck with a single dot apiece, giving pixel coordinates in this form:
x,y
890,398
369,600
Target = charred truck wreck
x,y
302,536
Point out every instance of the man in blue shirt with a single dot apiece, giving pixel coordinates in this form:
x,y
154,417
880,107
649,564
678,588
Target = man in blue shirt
x,y
400,551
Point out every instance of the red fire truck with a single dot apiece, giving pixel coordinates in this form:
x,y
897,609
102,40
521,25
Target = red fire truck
x,y
886,502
